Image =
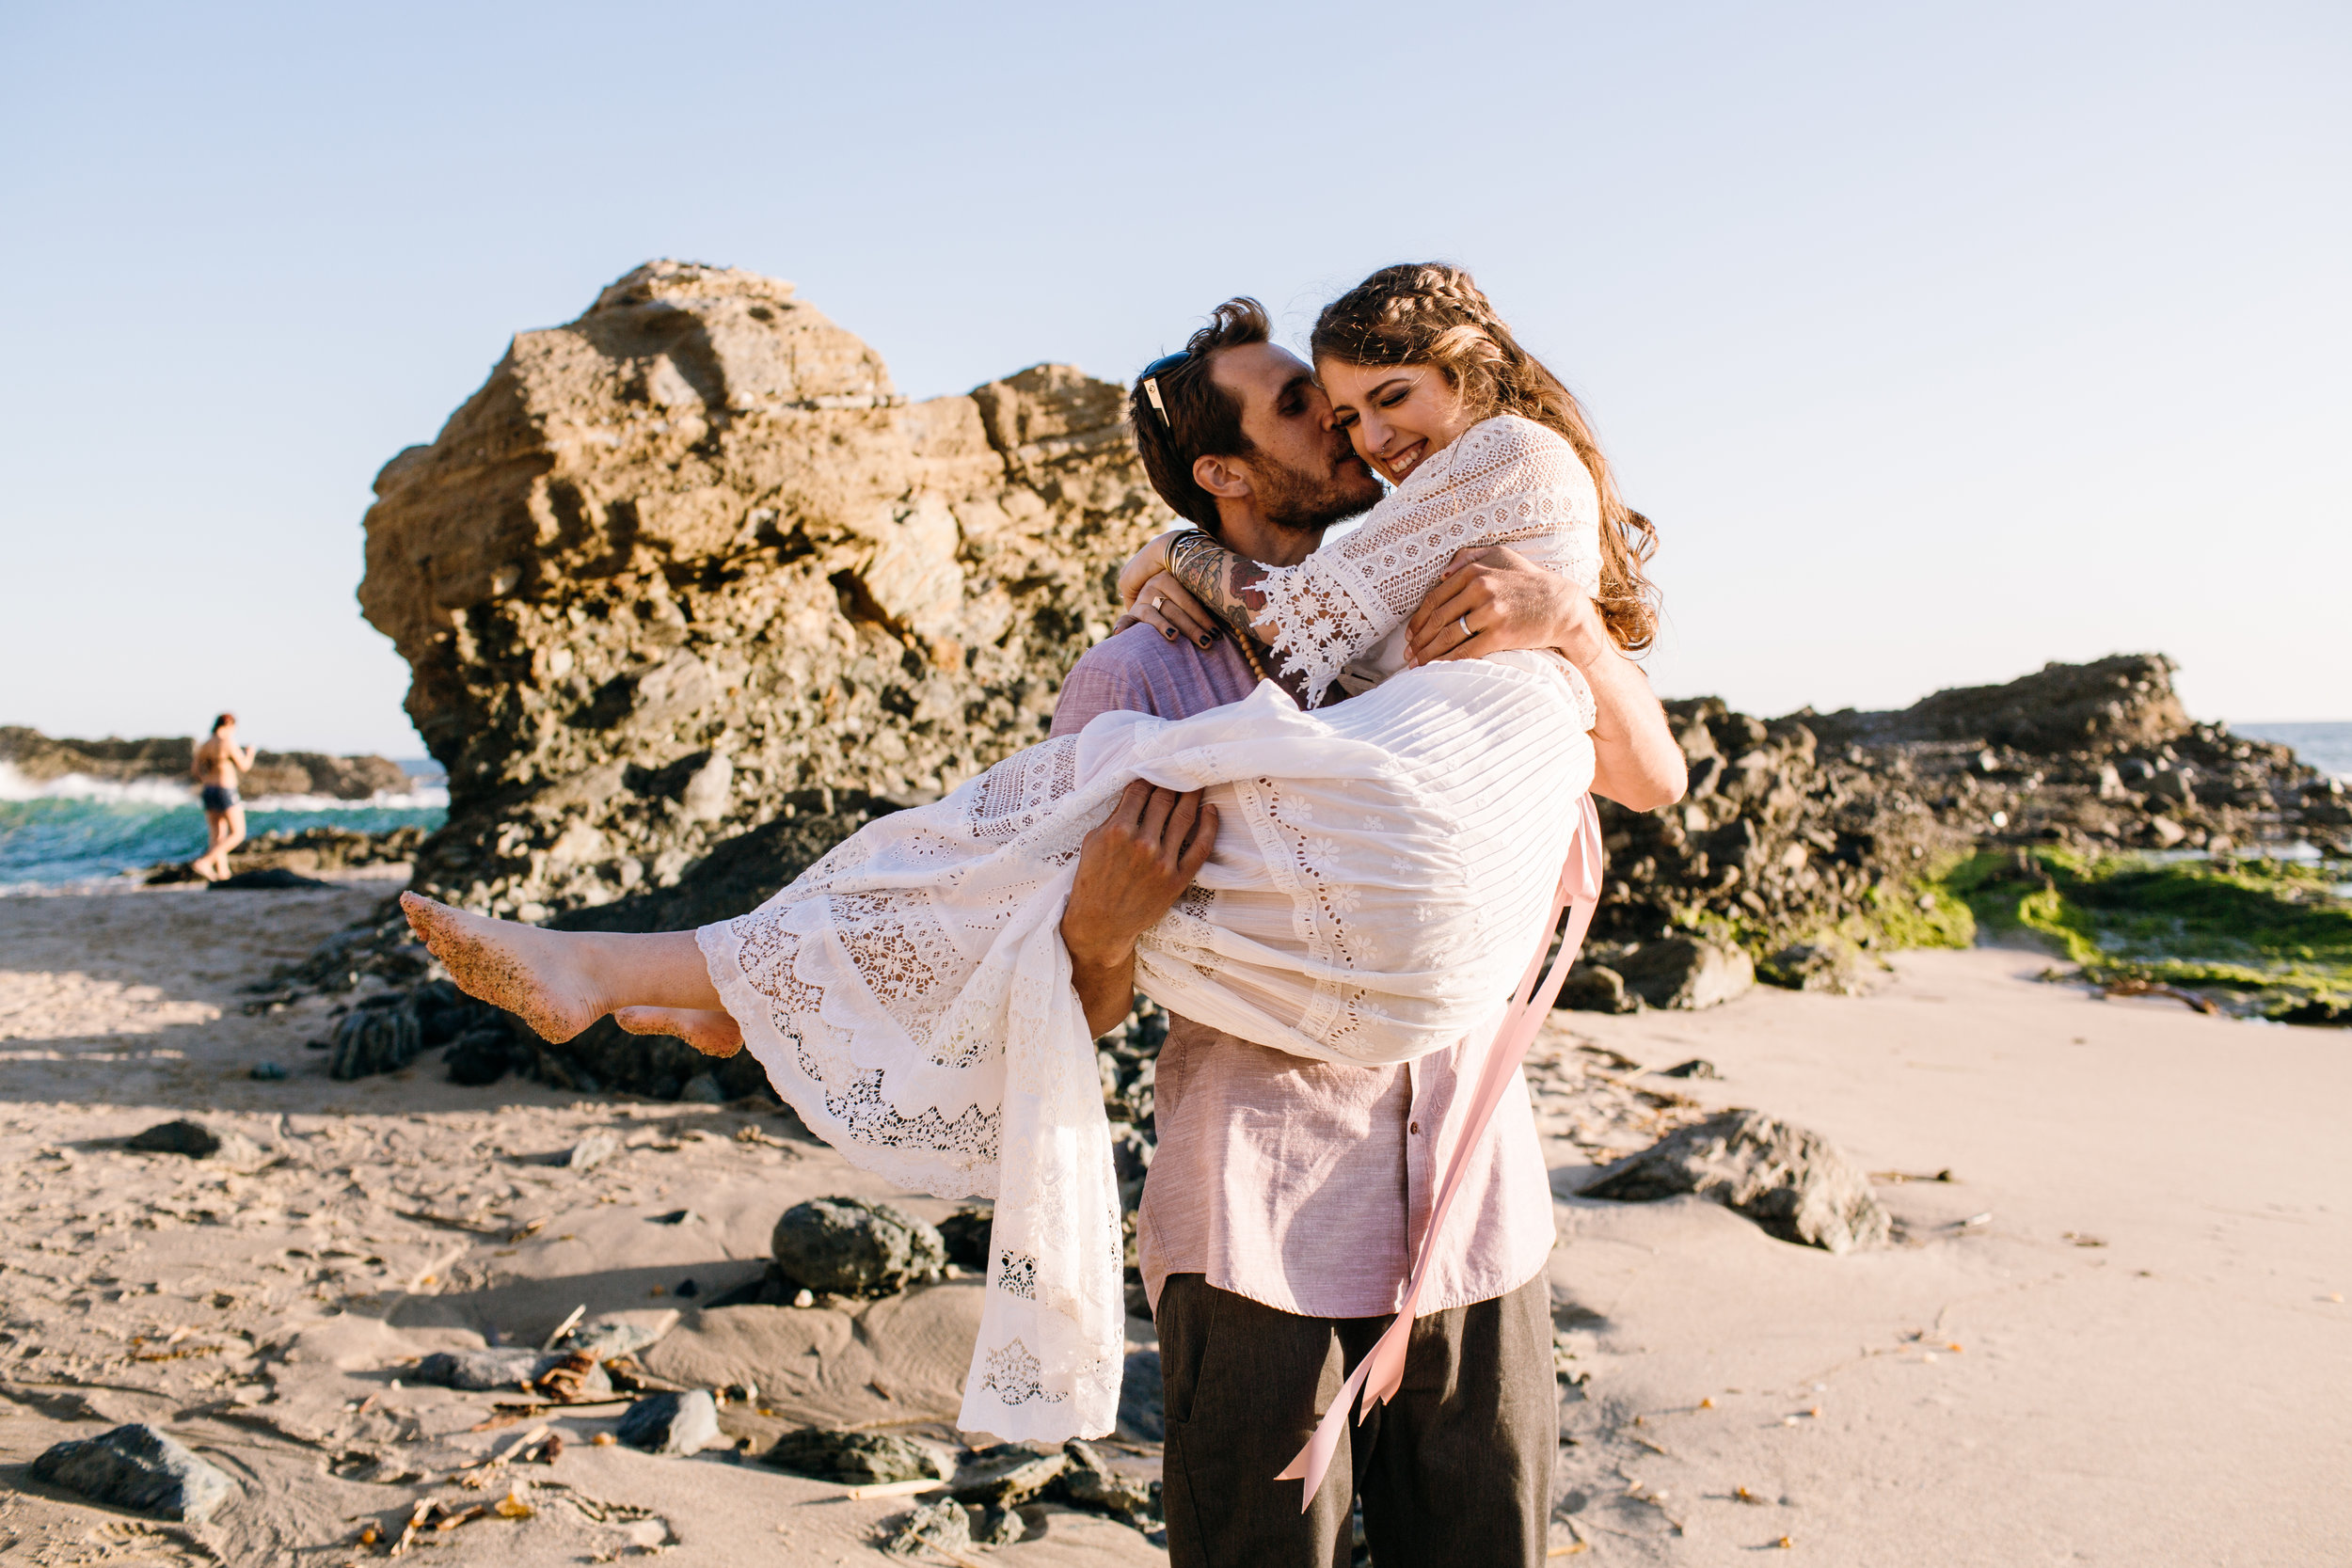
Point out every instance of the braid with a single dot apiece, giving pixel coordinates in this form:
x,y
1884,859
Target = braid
x,y
1431,313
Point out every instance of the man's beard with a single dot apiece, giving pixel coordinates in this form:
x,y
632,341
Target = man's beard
x,y
1298,502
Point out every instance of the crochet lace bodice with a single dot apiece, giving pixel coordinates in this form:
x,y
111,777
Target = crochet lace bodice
x,y
1504,481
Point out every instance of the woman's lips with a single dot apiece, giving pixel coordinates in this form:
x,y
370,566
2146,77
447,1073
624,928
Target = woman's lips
x,y
1403,463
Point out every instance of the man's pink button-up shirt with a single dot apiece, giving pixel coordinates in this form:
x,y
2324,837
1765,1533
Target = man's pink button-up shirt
x,y
1297,1183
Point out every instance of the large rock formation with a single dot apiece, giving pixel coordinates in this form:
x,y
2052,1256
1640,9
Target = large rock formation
x,y
41,759
690,562
688,593
1816,822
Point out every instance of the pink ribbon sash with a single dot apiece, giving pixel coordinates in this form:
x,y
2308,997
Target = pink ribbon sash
x,y
1381,1373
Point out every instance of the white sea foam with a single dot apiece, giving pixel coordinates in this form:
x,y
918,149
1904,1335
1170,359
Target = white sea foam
x,y
427,798
14,786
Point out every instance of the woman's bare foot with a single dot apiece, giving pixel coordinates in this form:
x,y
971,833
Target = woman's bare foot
x,y
714,1034
533,974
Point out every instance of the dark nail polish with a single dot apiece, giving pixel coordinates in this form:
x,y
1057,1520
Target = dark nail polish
x,y
1206,640
1170,633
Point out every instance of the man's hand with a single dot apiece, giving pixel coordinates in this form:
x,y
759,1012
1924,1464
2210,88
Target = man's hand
x,y
1130,871
1507,601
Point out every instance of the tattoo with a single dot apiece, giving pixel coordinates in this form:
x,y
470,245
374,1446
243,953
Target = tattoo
x,y
1220,579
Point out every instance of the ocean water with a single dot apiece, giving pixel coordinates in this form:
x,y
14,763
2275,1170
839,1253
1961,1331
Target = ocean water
x,y
2326,746
77,832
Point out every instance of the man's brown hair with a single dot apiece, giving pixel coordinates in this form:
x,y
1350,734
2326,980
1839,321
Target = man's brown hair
x,y
223,722
1194,418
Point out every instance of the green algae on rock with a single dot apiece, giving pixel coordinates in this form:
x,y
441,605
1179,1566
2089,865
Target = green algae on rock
x,y
2259,936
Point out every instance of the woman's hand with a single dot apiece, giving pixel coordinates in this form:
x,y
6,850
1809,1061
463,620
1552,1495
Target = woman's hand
x,y
1494,599
1168,607
1146,564
1510,602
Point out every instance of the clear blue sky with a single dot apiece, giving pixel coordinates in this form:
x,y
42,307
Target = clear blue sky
x,y
1939,341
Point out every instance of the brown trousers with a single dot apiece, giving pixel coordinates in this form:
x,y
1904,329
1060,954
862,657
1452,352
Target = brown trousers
x,y
1455,1470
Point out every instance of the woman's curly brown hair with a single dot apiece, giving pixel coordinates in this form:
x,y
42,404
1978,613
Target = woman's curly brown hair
x,y
1429,313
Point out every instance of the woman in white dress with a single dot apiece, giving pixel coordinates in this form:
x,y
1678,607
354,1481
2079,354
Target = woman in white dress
x,y
1400,858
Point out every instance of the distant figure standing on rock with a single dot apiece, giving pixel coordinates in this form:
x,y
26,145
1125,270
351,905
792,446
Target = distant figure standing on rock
x,y
218,760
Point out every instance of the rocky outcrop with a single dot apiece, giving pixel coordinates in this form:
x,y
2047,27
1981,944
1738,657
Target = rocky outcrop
x,y
691,558
40,759
306,851
1814,823
2119,701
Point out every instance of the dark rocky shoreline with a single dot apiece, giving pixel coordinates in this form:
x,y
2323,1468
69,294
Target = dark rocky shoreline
x,y
41,758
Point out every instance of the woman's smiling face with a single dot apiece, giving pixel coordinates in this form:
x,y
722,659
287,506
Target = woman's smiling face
x,y
1396,415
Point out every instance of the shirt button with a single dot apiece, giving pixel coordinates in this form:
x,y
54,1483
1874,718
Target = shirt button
x,y
1414,1128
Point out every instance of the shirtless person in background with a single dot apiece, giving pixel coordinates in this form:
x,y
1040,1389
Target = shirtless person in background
x,y
218,760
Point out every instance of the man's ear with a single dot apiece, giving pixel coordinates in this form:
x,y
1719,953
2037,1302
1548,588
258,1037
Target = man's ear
x,y
1221,477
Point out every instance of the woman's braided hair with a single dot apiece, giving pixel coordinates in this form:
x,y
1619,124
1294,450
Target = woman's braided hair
x,y
1429,313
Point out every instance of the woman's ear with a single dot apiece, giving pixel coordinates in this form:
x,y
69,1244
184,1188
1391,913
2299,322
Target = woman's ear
x,y
1220,477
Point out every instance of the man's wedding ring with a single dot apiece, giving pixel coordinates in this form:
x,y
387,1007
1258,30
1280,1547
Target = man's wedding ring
x,y
1463,621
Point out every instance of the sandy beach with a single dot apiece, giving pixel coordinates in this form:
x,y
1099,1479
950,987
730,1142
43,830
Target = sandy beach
x,y
2116,1334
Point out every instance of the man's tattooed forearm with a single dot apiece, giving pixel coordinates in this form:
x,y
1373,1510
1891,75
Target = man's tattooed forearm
x,y
1220,579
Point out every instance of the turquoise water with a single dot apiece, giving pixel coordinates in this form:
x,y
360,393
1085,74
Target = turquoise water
x,y
81,832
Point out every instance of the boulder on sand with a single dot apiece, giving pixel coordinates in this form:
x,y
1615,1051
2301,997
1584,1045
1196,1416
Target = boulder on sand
x,y
270,880
1825,963
854,1458
382,1034
506,1367
137,1468
681,1422
1592,988
1790,1181
191,1138
934,1530
849,1247
1008,1474
967,1233
1687,972
1089,1483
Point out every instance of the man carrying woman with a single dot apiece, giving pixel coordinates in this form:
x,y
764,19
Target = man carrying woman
x,y
1285,1194
1339,895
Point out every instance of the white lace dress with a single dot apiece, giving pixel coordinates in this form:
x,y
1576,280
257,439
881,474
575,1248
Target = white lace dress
x,y
1381,879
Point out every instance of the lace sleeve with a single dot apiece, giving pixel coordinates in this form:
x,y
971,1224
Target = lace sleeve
x,y
1505,481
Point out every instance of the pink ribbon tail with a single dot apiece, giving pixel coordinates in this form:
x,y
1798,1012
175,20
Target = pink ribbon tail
x,y
1378,1377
